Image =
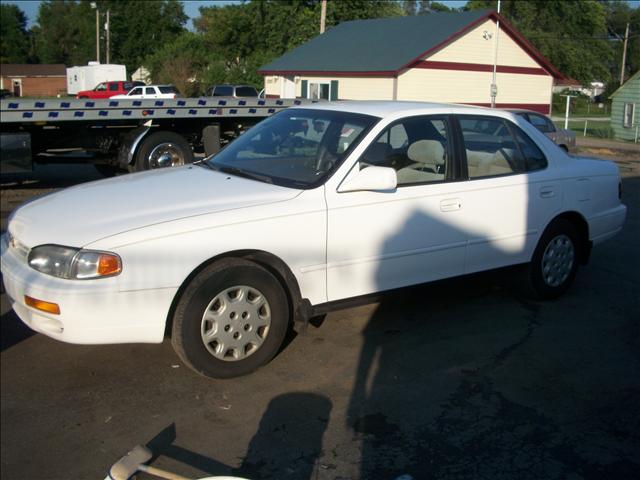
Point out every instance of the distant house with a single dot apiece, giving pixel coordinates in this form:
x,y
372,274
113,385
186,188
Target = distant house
x,y
625,103
141,75
34,80
442,57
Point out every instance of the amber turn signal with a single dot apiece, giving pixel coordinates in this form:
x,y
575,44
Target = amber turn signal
x,y
42,305
109,265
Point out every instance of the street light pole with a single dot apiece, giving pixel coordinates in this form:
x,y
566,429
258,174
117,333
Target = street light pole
x,y
94,5
107,26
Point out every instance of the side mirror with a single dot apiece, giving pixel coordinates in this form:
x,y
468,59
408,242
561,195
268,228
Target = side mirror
x,y
376,179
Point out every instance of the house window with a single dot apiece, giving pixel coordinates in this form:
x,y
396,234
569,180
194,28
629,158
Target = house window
x,y
319,91
628,115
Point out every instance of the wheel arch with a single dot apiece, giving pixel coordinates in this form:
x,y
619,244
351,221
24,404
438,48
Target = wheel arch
x,y
582,227
270,262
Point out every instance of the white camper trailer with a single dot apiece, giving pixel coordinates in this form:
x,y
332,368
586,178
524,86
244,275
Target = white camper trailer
x,y
88,76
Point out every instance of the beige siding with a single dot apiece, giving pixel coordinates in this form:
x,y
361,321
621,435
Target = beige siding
x,y
272,85
472,87
473,48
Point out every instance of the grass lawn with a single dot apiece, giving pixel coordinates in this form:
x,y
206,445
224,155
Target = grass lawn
x,y
595,128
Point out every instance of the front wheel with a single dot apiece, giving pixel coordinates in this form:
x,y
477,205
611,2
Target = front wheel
x,y
554,263
231,319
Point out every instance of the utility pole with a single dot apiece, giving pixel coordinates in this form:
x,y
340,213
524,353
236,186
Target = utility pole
x,y
95,6
494,85
323,15
624,54
106,27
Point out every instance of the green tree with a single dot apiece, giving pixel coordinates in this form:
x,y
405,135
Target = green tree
x,y
139,28
14,39
618,15
570,33
240,38
63,33
66,30
181,63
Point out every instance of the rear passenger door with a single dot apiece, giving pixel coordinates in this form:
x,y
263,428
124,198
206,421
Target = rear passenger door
x,y
508,196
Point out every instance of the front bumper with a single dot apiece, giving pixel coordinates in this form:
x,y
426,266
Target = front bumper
x,y
91,311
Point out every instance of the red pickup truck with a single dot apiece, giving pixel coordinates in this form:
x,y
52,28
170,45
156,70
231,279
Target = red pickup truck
x,y
108,89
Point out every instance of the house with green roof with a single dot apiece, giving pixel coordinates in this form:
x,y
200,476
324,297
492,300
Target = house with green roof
x,y
625,102
440,57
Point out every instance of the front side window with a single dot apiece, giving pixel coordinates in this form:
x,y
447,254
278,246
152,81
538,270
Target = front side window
x,y
297,148
627,119
417,148
496,147
102,87
136,91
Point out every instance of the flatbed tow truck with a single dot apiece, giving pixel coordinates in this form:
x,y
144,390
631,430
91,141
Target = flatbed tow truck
x,y
124,135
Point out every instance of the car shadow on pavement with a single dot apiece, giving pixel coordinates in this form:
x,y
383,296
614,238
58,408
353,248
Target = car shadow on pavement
x,y
12,330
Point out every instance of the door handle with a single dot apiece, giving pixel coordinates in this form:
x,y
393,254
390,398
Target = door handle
x,y
547,192
451,204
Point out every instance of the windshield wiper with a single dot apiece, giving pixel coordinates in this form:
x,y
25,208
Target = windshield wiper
x,y
242,173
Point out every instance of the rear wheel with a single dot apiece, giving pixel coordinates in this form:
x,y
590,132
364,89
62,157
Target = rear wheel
x,y
555,261
163,149
231,319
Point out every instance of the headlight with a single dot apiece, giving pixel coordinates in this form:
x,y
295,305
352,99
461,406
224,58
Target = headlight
x,y
74,263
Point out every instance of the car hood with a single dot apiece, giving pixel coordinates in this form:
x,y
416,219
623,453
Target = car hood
x,y
89,212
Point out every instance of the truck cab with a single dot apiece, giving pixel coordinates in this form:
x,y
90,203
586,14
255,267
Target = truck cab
x,y
108,89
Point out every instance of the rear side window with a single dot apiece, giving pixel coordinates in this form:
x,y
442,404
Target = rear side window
x,y
496,147
246,92
534,159
168,89
150,91
223,91
113,87
541,123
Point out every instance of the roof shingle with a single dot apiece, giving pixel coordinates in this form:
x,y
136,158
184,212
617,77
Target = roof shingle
x,y
378,45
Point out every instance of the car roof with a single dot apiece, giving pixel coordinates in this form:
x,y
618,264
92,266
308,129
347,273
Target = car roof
x,y
399,108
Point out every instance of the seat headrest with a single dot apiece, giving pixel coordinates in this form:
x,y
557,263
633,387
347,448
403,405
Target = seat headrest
x,y
377,153
426,151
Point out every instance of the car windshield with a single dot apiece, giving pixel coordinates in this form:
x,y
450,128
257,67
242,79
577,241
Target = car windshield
x,y
297,148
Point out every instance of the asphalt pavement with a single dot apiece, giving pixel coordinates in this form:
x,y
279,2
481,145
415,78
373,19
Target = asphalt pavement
x,y
461,379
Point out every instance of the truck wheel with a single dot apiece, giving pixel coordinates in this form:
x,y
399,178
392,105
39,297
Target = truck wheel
x,y
163,149
231,319
554,263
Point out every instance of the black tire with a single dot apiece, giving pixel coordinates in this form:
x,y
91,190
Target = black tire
x,y
554,263
150,154
199,298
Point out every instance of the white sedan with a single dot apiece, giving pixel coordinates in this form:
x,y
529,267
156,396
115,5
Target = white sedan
x,y
149,91
309,208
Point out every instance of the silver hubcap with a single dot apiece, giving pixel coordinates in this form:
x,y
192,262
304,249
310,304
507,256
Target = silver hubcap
x,y
236,323
557,260
165,155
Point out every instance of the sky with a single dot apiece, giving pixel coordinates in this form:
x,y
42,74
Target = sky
x,y
30,7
